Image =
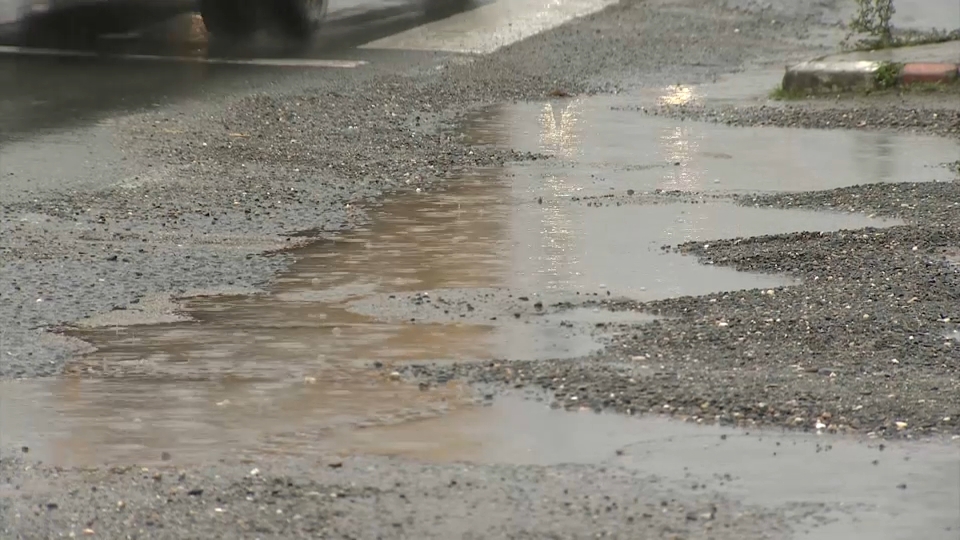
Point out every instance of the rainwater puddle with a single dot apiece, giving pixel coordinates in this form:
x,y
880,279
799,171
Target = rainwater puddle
x,y
468,273
769,468
146,420
617,150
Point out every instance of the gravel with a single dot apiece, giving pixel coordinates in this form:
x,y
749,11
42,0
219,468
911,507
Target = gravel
x,y
372,498
931,115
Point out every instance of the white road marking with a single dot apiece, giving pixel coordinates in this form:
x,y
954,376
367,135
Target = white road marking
x,y
272,62
485,29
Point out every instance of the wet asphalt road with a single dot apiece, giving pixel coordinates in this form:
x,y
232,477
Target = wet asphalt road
x,y
36,98
128,182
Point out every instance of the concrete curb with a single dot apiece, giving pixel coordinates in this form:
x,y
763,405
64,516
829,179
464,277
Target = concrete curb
x,y
820,76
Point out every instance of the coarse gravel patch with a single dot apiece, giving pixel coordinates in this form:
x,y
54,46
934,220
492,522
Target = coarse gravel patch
x,y
374,498
470,306
935,117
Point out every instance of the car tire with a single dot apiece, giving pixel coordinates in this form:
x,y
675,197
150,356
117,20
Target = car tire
x,y
299,19
438,9
229,18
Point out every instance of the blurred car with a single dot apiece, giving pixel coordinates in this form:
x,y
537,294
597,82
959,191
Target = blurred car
x,y
233,19
299,19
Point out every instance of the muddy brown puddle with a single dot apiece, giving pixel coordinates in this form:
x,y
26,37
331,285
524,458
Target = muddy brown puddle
x,y
469,273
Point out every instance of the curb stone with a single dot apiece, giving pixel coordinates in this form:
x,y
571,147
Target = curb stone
x,y
818,77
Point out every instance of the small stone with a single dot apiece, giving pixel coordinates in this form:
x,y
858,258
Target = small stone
x,y
165,456
395,375
88,532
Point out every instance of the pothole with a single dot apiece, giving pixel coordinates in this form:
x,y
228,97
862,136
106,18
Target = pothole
x,y
498,265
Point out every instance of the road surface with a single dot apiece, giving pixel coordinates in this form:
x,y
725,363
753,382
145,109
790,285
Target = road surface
x,y
540,269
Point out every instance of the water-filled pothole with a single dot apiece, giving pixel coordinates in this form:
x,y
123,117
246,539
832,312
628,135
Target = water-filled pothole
x,y
474,272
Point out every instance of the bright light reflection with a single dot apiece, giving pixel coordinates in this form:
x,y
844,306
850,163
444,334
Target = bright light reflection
x,y
679,146
559,135
678,94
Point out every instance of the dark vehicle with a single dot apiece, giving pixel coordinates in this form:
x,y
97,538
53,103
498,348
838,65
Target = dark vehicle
x,y
298,19
237,18
231,19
